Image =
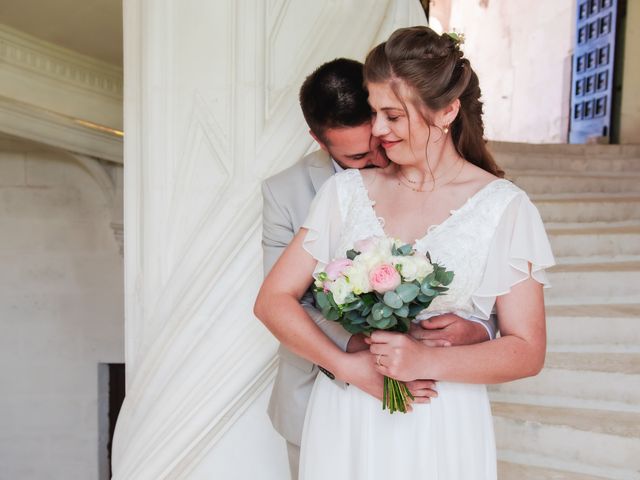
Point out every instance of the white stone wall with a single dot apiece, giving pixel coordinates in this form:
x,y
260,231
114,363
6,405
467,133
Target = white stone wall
x,y
61,312
210,111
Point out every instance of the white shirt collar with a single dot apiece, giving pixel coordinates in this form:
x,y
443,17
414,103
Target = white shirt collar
x,y
336,166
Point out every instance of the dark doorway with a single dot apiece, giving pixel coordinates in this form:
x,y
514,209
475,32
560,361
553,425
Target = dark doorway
x,y
111,385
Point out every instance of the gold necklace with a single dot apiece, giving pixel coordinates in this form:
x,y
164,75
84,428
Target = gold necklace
x,y
419,190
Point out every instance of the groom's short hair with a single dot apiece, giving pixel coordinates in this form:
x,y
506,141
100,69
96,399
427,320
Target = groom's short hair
x,y
334,96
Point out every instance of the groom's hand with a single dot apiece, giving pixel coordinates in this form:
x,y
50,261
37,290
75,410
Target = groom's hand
x,y
447,330
422,390
357,344
359,370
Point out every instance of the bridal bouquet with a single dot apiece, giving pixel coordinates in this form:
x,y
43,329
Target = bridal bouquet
x,y
381,284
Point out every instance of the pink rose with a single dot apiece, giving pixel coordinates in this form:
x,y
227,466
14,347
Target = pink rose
x,y
384,278
365,245
336,267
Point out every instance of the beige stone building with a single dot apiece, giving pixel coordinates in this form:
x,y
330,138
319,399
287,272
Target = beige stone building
x,y
160,118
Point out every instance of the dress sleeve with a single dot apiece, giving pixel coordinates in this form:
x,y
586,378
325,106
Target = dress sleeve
x,y
520,240
323,224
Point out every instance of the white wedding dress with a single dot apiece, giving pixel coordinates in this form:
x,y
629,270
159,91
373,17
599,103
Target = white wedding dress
x,y
488,242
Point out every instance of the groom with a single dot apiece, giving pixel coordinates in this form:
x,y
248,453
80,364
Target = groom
x,y
334,104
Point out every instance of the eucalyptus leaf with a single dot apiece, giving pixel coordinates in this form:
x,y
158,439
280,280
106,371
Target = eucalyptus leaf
x,y
392,299
386,311
406,250
376,311
448,278
355,317
408,292
354,305
427,290
332,314
354,329
388,322
322,300
402,312
351,254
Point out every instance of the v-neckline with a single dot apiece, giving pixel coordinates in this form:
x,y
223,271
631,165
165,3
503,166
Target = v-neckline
x,y
431,228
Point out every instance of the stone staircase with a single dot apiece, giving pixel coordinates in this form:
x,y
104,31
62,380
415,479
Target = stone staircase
x,y
580,418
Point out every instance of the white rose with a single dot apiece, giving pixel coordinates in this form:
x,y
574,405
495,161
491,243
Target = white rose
x,y
423,266
408,267
369,260
340,289
358,276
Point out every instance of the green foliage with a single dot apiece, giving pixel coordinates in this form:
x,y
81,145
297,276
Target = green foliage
x,y
351,254
402,251
393,300
408,291
392,310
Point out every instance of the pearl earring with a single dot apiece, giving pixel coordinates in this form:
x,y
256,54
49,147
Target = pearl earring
x,y
446,129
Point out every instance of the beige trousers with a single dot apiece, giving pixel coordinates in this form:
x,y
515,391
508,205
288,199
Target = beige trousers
x,y
293,451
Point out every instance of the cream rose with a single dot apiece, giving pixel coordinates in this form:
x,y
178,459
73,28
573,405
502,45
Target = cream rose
x,y
340,289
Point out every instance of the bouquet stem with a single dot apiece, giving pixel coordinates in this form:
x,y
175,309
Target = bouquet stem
x,y
396,396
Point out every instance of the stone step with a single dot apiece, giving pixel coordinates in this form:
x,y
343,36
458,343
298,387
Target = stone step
x,y
548,181
600,381
588,207
594,239
594,328
518,471
564,150
575,158
571,436
593,281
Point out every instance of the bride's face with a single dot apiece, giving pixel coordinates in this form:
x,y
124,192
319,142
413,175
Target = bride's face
x,y
403,134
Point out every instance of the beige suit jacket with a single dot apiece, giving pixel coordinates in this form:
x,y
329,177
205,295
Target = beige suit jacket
x,y
287,197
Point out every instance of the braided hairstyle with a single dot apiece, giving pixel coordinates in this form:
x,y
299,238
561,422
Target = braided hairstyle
x,y
436,72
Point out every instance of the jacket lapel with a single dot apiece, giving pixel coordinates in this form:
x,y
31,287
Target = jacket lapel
x,y
320,168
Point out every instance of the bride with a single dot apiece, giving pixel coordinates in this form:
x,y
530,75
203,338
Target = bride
x,y
442,193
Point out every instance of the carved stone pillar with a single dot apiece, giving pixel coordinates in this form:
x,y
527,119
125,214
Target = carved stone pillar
x,y
210,111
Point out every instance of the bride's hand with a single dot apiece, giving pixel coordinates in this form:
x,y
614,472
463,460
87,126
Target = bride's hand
x,y
397,355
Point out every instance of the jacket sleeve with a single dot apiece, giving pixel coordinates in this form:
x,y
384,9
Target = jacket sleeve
x,y
277,233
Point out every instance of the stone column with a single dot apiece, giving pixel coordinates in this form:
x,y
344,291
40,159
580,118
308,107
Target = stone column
x,y
210,111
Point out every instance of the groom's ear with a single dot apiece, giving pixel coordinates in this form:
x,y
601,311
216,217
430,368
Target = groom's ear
x,y
323,145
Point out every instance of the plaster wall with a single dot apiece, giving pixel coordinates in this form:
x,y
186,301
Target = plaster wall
x,y
61,313
521,52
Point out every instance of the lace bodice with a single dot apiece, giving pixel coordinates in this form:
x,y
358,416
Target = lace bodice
x,y
466,242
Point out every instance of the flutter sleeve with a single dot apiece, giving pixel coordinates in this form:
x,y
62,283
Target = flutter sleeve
x,y
323,224
520,248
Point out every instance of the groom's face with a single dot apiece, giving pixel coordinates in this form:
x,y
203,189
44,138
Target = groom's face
x,y
354,147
